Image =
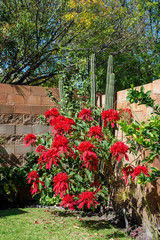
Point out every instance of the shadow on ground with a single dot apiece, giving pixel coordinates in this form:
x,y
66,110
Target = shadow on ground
x,y
92,222
10,212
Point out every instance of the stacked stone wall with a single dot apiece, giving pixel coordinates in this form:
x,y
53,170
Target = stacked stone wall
x,y
20,108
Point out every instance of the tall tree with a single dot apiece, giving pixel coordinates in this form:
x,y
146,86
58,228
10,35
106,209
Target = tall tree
x,y
36,34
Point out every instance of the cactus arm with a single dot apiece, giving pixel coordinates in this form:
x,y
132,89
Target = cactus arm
x,y
93,81
109,84
61,92
111,93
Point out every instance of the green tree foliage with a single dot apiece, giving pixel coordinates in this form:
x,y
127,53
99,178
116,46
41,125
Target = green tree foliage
x,y
36,36
140,63
31,33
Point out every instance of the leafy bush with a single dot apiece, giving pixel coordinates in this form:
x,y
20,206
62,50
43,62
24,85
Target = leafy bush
x,y
143,137
13,188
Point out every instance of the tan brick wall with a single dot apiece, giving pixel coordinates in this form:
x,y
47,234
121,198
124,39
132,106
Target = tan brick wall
x,y
31,100
20,107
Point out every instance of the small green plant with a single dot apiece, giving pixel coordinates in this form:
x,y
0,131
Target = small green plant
x,y
13,187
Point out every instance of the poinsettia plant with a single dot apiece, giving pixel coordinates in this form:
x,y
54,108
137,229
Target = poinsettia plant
x,y
77,158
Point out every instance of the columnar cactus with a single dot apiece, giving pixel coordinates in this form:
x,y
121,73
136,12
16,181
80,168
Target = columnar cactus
x,y
93,80
61,92
110,79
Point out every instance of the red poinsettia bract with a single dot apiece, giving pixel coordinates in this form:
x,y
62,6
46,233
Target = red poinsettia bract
x,y
96,132
32,177
118,150
95,184
30,139
126,115
61,125
85,146
34,187
110,116
90,160
53,155
138,170
41,149
87,198
126,172
68,201
60,184
60,143
126,111
51,113
50,157
89,157
85,114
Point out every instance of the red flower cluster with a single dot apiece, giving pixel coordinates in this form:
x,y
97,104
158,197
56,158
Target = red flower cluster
x,y
134,172
126,114
138,170
68,202
34,188
118,150
128,111
96,132
89,157
34,177
50,157
110,116
60,184
30,139
95,183
41,149
85,146
85,114
126,172
62,125
87,198
51,113
60,144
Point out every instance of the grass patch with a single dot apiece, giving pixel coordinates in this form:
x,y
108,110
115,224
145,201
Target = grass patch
x,y
39,223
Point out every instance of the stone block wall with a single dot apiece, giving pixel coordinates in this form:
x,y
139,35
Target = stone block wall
x,y
140,112
20,108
